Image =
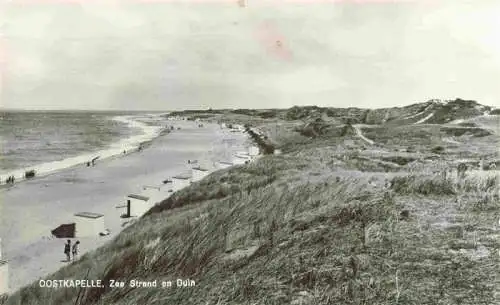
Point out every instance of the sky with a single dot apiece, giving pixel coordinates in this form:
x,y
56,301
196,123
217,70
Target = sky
x,y
192,54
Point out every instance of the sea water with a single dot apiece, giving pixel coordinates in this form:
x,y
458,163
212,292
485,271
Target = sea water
x,y
51,141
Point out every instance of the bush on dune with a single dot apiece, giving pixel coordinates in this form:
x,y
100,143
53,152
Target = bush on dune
x,y
444,183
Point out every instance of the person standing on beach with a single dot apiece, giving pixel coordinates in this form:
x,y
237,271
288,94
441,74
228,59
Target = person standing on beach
x,y
74,250
67,250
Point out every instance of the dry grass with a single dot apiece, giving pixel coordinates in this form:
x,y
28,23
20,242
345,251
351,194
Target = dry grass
x,y
305,227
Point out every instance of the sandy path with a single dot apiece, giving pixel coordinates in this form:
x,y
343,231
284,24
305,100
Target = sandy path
x,y
360,134
30,210
424,119
451,140
419,113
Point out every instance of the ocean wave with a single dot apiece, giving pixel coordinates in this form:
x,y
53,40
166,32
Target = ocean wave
x,y
148,133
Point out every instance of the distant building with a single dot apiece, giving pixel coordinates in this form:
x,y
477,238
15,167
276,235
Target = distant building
x,y
88,224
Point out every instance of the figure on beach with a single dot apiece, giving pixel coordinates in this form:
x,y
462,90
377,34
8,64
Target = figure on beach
x,y
67,250
10,180
75,249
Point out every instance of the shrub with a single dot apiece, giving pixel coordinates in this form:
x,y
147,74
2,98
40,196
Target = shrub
x,y
438,150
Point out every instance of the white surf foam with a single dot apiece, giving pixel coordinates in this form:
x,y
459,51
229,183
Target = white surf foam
x,y
115,149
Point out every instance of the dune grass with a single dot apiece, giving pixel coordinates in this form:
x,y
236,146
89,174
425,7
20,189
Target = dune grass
x,y
304,227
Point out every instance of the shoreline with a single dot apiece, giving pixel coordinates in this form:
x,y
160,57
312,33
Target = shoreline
x,y
35,207
114,149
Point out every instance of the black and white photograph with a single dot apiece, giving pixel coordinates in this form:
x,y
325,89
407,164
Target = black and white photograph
x,y
249,152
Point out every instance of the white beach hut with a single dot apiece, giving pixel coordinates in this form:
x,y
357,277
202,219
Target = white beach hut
x,y
156,193
224,164
242,154
240,159
199,173
137,205
88,224
180,181
253,150
4,277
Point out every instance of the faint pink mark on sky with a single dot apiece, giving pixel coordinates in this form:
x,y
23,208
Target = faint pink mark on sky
x,y
273,41
258,2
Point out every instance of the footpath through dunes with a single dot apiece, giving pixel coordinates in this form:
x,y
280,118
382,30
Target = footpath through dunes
x,y
304,227
359,133
32,209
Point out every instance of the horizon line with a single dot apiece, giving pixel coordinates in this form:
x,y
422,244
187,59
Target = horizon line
x,y
6,109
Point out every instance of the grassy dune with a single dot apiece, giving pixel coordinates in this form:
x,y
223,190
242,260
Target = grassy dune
x,y
323,223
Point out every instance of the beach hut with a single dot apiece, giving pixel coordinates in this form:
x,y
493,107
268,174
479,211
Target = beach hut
x,y
155,193
242,154
137,205
64,231
253,151
239,159
199,173
4,277
88,224
180,181
224,164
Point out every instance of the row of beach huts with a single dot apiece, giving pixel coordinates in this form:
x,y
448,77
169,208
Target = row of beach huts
x,y
92,224
138,204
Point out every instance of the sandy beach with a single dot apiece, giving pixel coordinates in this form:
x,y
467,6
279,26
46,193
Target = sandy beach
x,y
31,209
